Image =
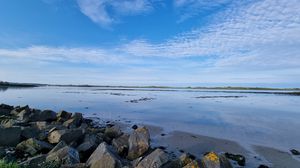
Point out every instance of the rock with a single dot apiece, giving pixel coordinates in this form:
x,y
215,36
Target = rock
x,y
5,109
33,146
46,115
121,144
24,115
102,157
65,135
36,115
240,159
295,152
36,161
138,143
63,116
134,127
10,136
8,123
194,164
113,132
41,125
263,166
173,164
89,144
213,160
185,159
66,155
2,152
156,159
29,132
18,109
75,121
78,165
59,146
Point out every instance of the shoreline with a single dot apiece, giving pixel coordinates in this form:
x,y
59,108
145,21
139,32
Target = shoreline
x,y
176,143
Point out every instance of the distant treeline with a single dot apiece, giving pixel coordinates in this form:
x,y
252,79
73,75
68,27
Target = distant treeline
x,y
11,84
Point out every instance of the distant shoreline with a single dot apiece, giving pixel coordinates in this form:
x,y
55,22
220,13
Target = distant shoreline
x,y
14,84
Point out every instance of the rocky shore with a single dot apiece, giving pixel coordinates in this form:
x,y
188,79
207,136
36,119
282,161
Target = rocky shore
x,y
43,138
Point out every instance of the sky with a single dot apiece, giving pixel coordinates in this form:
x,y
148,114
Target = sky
x,y
151,42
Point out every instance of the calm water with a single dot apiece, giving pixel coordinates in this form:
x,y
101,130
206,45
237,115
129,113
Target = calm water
x,y
265,119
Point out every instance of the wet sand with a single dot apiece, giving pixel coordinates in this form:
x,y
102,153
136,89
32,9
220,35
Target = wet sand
x,y
177,142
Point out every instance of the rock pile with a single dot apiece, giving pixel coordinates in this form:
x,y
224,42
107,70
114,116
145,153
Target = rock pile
x,y
36,138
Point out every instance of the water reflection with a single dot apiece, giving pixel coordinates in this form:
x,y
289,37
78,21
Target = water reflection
x,y
3,89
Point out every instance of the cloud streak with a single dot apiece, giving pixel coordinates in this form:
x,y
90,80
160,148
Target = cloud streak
x,y
107,12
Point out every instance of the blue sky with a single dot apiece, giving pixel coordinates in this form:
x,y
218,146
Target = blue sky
x,y
151,42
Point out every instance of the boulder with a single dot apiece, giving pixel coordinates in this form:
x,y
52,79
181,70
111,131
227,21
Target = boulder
x,y
41,125
68,135
193,164
138,143
29,132
5,109
6,123
185,159
75,121
156,159
102,157
10,136
213,160
88,145
78,165
33,146
46,115
113,132
64,156
295,152
240,159
36,161
24,115
121,144
63,116
58,146
18,109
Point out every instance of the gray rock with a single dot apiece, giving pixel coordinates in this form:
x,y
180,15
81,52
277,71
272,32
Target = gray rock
x,y
65,156
30,132
156,159
113,132
18,109
102,157
46,115
59,146
185,159
24,115
75,121
5,109
121,144
78,165
33,146
68,136
138,143
89,144
6,123
63,116
36,161
213,160
41,125
10,136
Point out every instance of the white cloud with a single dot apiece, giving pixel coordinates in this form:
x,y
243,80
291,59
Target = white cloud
x,y
97,10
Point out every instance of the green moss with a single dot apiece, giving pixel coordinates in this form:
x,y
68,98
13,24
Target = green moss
x,y
4,164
